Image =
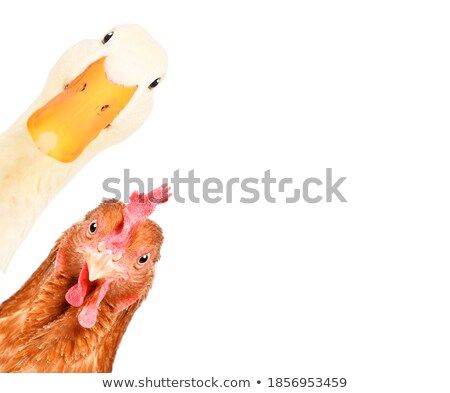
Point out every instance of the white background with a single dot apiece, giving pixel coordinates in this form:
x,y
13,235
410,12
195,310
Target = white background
x,y
357,290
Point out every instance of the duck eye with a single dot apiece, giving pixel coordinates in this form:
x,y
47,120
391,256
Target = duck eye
x,y
143,259
93,227
154,83
107,37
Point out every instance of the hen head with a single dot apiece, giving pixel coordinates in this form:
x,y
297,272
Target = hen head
x,y
111,255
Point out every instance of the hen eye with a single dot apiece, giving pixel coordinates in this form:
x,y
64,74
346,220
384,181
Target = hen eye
x,y
93,227
107,37
143,259
154,83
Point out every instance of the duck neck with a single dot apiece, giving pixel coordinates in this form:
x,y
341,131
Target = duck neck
x,y
27,172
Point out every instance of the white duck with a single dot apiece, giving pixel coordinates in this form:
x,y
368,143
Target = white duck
x,y
97,94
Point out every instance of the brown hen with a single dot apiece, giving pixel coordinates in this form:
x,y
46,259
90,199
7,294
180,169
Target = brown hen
x,y
71,314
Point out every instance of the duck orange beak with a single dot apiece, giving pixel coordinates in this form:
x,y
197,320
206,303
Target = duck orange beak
x,y
68,123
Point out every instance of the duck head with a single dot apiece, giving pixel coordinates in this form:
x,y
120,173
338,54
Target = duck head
x,y
98,93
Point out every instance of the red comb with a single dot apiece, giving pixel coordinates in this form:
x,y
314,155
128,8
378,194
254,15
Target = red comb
x,y
141,206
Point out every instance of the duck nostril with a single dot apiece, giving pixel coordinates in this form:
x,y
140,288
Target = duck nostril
x,y
102,109
82,88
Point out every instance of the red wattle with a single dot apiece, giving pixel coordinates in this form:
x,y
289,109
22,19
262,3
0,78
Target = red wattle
x,y
75,295
88,315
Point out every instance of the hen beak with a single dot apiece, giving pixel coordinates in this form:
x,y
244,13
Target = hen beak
x,y
102,263
69,122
